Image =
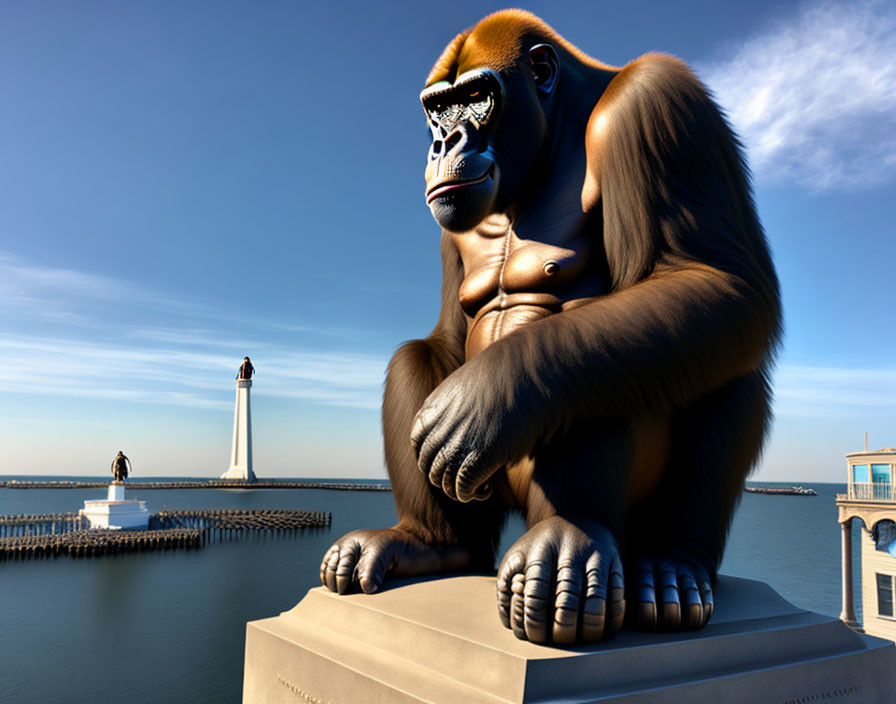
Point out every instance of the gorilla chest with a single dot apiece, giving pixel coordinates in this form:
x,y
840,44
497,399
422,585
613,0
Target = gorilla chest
x,y
509,281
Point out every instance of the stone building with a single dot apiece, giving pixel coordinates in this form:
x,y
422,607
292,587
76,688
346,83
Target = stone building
x,y
871,497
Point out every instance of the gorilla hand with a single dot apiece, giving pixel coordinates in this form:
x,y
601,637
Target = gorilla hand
x,y
670,594
562,582
361,559
468,428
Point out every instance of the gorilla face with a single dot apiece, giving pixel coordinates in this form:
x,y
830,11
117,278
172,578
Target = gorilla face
x,y
483,121
462,173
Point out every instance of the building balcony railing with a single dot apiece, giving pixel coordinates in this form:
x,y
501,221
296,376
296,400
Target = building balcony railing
x,y
871,491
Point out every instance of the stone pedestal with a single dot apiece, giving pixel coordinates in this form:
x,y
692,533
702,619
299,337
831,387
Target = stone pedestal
x,y
440,640
241,450
116,512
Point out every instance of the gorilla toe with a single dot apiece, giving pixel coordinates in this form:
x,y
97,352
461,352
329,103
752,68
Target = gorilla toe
x,y
670,594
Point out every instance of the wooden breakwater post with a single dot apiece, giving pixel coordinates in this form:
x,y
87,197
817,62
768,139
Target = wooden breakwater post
x,y
53,534
92,543
32,524
226,521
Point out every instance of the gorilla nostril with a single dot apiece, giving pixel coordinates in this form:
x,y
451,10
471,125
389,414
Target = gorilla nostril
x,y
436,149
452,140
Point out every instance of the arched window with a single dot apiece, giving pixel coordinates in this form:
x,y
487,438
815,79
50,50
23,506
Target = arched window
x,y
884,536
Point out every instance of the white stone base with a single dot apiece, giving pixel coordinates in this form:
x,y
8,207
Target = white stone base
x,y
239,474
116,512
440,640
116,491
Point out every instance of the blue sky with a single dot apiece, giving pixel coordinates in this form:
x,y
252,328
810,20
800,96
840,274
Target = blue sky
x,y
182,184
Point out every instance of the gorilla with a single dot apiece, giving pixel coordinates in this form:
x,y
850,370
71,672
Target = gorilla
x,y
610,314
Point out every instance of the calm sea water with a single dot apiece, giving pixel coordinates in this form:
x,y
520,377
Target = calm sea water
x,y
170,626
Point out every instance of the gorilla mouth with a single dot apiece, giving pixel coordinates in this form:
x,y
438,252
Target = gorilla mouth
x,y
441,189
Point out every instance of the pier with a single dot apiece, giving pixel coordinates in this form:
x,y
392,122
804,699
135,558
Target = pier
x,y
93,543
37,524
210,484
781,491
224,519
54,534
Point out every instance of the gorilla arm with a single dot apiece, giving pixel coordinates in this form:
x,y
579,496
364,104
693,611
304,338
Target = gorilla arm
x,y
638,353
415,370
695,302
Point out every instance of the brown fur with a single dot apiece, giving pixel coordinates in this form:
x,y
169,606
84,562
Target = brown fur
x,y
683,340
601,362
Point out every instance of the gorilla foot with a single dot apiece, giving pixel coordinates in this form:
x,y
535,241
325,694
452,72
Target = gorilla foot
x,y
562,582
669,594
361,559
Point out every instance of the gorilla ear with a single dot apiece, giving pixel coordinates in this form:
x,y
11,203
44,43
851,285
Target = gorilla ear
x,y
545,67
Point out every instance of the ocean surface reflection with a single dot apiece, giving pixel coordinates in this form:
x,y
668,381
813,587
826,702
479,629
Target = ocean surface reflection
x,y
170,626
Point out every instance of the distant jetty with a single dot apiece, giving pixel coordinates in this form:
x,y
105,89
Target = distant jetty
x,y
783,491
210,484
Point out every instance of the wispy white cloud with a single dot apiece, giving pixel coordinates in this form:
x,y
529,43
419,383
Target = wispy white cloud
x,y
195,337
70,333
814,97
66,296
156,375
60,292
808,391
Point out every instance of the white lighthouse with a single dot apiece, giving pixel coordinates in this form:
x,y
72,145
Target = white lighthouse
x,y
241,452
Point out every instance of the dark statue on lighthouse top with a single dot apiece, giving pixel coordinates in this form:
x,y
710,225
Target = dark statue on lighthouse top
x,y
246,370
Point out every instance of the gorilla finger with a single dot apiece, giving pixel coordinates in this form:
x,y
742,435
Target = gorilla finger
x,y
372,568
510,565
470,476
430,448
615,597
594,620
706,598
647,613
569,593
448,481
332,563
537,600
670,610
517,609
691,605
438,467
323,565
418,431
594,608
668,581
345,568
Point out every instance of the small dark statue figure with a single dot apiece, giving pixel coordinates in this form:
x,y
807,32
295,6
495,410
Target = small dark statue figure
x,y
246,369
601,362
120,466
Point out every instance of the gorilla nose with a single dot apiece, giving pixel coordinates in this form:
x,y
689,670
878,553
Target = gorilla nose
x,y
453,140
462,139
